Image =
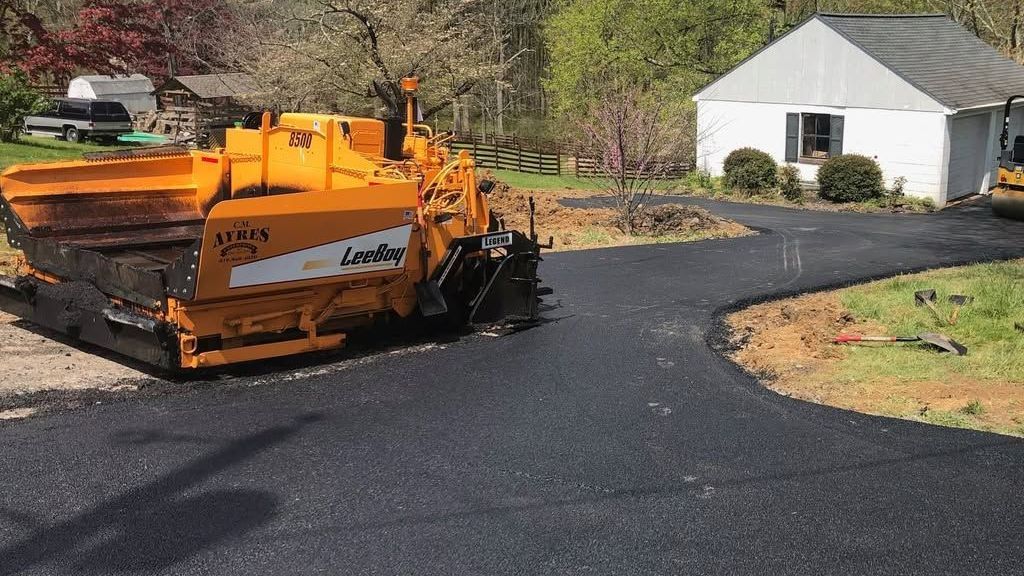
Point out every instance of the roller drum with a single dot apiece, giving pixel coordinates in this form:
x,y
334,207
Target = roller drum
x,y
1008,203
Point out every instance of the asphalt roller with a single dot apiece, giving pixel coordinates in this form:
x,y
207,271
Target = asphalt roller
x,y
1008,195
303,228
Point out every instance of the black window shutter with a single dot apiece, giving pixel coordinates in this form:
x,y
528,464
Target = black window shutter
x,y
835,145
792,137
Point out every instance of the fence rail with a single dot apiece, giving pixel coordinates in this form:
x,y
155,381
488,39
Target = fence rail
x,y
537,157
512,158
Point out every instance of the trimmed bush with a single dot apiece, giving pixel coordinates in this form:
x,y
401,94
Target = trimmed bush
x,y
850,178
789,183
749,169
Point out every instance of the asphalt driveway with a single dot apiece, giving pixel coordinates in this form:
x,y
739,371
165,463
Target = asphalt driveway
x,y
613,439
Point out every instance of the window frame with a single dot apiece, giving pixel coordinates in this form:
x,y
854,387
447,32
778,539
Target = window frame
x,y
801,158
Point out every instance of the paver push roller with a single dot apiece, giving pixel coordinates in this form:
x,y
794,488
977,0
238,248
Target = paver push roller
x,y
298,231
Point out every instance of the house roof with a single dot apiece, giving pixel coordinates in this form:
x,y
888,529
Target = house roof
x,y
935,54
107,85
212,85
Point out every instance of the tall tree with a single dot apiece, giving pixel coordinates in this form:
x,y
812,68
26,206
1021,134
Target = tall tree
x,y
352,54
672,47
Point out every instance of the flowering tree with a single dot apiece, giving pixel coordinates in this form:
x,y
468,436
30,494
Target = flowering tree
x,y
635,139
158,38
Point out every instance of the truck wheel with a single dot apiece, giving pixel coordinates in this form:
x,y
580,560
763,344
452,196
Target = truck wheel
x,y
71,134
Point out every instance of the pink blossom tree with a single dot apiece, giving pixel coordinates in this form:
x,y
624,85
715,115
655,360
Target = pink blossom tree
x,y
636,140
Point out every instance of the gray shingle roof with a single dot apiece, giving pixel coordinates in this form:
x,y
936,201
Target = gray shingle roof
x,y
213,85
936,54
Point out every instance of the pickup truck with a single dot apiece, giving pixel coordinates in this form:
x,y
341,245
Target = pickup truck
x,y
76,119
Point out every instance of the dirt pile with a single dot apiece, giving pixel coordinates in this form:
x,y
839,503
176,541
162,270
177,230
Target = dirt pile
x,y
668,219
779,338
574,228
551,218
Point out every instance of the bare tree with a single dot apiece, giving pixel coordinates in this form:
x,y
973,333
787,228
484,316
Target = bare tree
x,y
636,140
352,54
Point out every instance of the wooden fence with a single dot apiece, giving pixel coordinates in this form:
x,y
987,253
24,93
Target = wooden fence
x,y
512,153
589,168
513,158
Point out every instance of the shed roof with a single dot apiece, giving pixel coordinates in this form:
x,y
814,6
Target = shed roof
x,y
212,85
110,85
935,54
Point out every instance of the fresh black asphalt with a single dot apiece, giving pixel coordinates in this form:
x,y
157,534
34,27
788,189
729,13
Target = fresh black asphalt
x,y
613,439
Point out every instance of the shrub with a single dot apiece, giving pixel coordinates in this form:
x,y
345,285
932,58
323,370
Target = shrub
x,y
850,178
17,100
789,183
700,179
749,169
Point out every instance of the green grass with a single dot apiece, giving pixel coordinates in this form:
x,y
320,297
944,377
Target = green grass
x,y
985,326
29,149
526,181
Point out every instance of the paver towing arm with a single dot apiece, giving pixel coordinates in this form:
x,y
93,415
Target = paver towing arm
x,y
298,231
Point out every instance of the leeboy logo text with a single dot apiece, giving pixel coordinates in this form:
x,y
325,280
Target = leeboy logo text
x,y
383,253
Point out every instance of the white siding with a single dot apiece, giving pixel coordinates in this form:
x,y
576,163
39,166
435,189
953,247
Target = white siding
x,y
814,65
908,144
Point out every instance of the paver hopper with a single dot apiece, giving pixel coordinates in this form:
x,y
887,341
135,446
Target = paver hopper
x,y
301,229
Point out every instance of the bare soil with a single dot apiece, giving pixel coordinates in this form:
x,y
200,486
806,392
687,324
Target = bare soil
x,y
34,362
788,344
576,228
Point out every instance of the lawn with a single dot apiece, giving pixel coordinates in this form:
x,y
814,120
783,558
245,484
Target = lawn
x,y
790,342
30,149
526,181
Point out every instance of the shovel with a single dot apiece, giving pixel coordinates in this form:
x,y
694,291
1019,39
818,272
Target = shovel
x,y
958,301
937,340
927,298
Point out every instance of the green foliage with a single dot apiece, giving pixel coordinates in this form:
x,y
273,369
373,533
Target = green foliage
x,y
700,179
29,149
973,408
850,178
789,183
17,100
672,48
750,170
894,195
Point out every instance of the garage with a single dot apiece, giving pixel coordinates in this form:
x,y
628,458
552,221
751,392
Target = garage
x,y
968,150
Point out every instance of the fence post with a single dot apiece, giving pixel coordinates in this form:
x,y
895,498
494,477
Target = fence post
x,y
558,160
519,162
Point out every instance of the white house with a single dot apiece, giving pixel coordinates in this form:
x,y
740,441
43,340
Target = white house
x,y
135,91
919,93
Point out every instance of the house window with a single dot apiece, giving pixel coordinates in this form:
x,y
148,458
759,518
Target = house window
x,y
815,135
813,138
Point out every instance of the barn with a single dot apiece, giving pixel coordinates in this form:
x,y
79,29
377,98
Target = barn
x,y
919,93
134,91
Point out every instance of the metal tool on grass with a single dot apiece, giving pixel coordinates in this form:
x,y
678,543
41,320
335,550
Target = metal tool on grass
x,y
937,340
927,298
958,301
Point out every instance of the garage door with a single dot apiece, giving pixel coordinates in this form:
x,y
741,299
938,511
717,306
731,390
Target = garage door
x,y
968,147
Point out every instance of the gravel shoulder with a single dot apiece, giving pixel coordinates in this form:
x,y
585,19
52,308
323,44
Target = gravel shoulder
x,y
35,360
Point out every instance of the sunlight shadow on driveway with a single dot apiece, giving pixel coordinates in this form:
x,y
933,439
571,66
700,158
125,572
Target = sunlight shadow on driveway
x,y
160,523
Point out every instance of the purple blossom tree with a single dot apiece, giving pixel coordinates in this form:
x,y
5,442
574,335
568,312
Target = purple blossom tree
x,y
636,140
